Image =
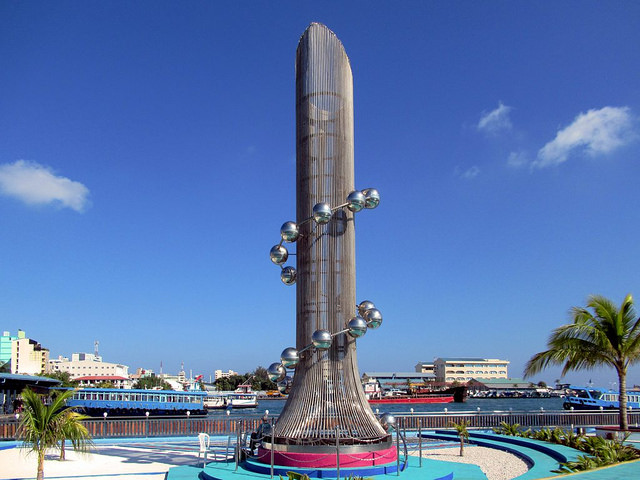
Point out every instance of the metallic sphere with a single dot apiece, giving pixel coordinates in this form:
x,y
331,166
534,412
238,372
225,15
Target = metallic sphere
x,y
289,231
373,318
364,306
289,357
321,213
321,339
372,198
357,327
276,372
284,385
278,254
356,201
288,275
388,421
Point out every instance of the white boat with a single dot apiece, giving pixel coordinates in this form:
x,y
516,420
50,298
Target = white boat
x,y
242,397
214,400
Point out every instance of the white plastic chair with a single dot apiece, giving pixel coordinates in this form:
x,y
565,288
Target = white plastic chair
x,y
203,440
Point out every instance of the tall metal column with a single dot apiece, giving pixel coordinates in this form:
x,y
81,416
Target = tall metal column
x,y
326,396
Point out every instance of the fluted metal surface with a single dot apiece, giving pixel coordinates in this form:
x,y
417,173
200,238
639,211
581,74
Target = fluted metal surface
x,y
326,399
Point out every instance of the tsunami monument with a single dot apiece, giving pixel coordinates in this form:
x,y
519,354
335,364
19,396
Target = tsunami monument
x,y
327,421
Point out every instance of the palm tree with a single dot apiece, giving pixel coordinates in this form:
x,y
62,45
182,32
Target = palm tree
x,y
46,426
74,431
605,335
463,433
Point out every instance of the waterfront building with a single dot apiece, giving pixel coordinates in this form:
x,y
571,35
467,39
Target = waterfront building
x,y
87,365
27,355
425,367
505,387
220,374
387,381
99,380
463,369
5,350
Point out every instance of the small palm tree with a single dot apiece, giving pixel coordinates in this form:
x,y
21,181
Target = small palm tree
x,y
605,335
463,433
74,431
43,426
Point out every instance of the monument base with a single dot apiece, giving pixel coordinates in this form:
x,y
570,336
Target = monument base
x,y
328,459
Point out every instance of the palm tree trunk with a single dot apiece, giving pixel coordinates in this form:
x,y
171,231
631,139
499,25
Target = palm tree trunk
x,y
40,475
622,398
462,446
62,456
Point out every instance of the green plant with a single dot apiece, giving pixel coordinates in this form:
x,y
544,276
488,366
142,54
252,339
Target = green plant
x,y
45,426
462,431
583,462
606,335
512,429
571,439
72,429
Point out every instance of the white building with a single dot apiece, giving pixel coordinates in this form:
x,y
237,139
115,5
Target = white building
x,y
425,367
28,356
220,374
463,369
88,365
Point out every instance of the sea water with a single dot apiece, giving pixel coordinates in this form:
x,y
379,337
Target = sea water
x,y
470,405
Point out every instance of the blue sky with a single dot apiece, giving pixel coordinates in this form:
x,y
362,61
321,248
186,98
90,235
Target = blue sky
x,y
147,161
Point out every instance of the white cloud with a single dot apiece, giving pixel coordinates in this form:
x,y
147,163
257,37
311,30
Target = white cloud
x,y
468,174
36,184
495,121
517,159
597,132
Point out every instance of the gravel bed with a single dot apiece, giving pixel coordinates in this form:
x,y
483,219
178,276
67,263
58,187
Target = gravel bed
x,y
495,464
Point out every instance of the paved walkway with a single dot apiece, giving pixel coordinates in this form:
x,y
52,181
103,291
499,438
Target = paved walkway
x,y
176,458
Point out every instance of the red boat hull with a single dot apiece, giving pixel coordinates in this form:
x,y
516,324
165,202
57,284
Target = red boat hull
x,y
432,399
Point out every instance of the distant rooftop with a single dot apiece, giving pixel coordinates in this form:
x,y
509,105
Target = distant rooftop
x,y
404,375
470,359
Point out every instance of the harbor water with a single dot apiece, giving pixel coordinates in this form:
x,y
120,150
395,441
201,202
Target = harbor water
x,y
275,406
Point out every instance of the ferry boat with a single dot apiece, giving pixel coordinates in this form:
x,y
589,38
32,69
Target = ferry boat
x,y
591,398
96,402
412,399
214,401
242,397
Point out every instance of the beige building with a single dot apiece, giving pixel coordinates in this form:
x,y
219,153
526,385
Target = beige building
x,y
87,365
220,374
28,356
425,367
463,369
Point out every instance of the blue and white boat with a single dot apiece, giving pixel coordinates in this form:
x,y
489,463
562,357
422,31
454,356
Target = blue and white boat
x,y
591,398
116,402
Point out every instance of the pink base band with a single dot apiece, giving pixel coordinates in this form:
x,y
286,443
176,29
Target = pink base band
x,y
328,460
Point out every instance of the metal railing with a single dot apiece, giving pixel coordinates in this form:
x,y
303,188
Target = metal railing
x,y
535,419
119,427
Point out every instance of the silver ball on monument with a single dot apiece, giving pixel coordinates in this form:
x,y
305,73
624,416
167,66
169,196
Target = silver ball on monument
x,y
288,275
289,357
372,198
276,372
284,385
321,213
289,231
357,327
388,421
364,306
278,254
356,201
321,339
373,317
